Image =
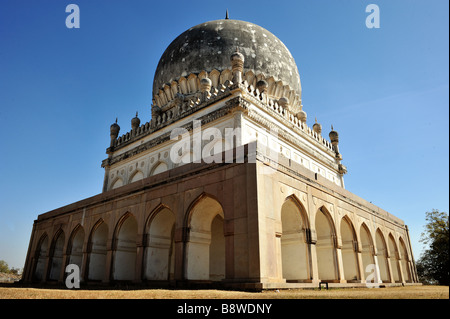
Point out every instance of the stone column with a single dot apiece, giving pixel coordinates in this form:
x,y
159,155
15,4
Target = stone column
x,y
109,260
389,267
314,266
64,263
140,246
339,261
47,264
377,269
362,273
312,240
84,262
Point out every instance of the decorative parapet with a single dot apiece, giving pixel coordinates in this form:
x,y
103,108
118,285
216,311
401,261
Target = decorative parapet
x,y
169,96
184,105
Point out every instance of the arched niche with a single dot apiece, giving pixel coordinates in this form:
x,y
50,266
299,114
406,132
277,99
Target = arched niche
x,y
159,245
75,248
125,249
97,251
349,251
326,246
41,258
367,250
295,256
393,257
382,256
205,248
56,258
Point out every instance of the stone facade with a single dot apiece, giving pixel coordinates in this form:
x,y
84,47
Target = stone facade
x,y
264,207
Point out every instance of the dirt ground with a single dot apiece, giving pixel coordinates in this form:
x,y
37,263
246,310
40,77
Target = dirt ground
x,y
408,292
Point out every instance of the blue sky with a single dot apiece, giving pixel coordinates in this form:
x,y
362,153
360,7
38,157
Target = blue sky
x,y
386,91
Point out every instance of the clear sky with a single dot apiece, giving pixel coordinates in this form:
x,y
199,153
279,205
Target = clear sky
x,y
386,91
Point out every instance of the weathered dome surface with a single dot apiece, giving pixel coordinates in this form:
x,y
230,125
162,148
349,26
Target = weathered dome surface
x,y
209,45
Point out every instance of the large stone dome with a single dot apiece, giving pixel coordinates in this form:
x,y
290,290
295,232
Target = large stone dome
x,y
209,45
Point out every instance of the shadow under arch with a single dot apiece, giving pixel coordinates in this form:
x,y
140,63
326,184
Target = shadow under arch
x,y
124,248
204,240
159,231
56,255
382,255
96,252
394,258
40,257
405,261
349,250
295,241
367,249
75,245
326,245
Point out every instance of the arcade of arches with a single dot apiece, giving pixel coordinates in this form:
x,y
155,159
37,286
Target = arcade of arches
x,y
201,236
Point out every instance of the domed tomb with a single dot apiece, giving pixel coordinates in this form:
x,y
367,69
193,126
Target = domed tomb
x,y
208,46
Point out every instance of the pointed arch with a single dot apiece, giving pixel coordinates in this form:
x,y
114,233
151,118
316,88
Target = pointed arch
x,y
116,183
159,244
367,248
137,175
75,246
326,246
295,251
382,256
40,256
56,255
96,250
394,258
125,248
158,168
205,245
349,250
405,261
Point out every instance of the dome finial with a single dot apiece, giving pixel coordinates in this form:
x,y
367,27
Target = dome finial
x,y
226,16
135,122
317,127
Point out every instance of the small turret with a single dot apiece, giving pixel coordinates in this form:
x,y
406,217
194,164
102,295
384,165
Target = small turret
x,y
284,102
114,132
302,116
262,85
205,85
317,128
135,122
334,138
237,66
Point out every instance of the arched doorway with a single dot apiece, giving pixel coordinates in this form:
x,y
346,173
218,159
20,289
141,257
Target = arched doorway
x,y
405,262
367,251
125,249
97,252
382,256
41,258
294,248
205,249
75,249
349,251
56,256
393,258
159,245
326,246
